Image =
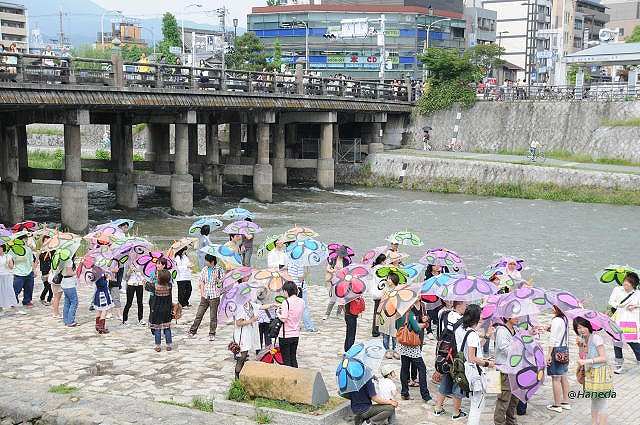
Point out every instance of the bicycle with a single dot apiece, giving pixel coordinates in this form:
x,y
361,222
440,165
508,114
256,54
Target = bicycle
x,y
536,154
454,146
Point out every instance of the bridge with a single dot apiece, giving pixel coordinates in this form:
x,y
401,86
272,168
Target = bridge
x,y
268,116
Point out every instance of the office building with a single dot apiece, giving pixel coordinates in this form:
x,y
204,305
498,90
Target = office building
x,y
347,37
13,26
481,24
129,32
624,14
591,17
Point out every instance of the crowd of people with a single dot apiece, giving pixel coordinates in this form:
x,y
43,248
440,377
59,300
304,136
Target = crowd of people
x,y
458,330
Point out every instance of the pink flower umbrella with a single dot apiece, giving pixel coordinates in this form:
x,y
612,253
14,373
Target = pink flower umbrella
x,y
244,228
443,257
349,283
372,254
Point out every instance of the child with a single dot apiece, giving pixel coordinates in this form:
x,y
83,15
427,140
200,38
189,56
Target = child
x,y
385,387
102,303
264,315
161,310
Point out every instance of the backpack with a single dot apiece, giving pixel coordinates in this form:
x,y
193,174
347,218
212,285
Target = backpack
x,y
457,372
275,325
446,347
357,306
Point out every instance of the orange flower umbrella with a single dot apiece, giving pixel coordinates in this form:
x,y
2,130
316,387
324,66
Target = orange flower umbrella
x,y
272,279
398,301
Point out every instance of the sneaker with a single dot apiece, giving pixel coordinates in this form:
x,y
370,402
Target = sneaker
x,y
212,338
388,354
460,415
618,370
72,325
142,323
440,412
325,317
406,397
191,335
554,408
43,302
396,355
565,406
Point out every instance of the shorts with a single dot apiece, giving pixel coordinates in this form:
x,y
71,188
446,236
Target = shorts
x,y
557,369
447,387
115,296
56,289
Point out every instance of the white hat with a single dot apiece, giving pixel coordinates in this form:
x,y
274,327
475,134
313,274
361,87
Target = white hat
x,y
387,369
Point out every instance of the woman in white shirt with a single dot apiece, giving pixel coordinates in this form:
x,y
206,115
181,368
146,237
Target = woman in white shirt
x,y
203,241
7,294
69,287
245,333
277,258
135,287
557,370
624,302
183,267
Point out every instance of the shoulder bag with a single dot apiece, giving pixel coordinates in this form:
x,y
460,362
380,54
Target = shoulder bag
x,y
406,336
275,325
561,353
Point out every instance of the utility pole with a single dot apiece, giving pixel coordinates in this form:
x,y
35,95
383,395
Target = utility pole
x,y
383,47
61,30
222,14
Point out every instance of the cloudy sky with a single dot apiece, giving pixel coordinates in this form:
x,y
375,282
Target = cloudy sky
x,y
153,8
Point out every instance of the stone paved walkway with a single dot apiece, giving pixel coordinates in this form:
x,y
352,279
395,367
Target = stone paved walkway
x,y
37,348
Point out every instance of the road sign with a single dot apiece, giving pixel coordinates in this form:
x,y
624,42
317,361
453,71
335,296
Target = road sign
x,y
175,50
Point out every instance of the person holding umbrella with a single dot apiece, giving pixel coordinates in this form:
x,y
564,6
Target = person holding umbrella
x,y
210,288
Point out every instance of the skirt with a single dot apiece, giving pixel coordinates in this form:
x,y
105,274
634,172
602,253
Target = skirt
x,y
7,294
102,299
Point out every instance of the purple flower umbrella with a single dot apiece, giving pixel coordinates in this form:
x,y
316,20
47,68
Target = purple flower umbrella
x,y
443,257
521,302
525,366
564,300
233,277
233,299
339,250
244,228
599,321
467,288
504,261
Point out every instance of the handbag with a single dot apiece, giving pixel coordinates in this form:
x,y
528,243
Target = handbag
x,y
436,377
491,382
598,379
275,325
406,336
561,353
57,279
233,346
580,375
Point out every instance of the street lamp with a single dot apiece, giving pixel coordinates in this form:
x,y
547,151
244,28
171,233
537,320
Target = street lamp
x,y
107,12
183,10
500,38
293,24
426,40
235,28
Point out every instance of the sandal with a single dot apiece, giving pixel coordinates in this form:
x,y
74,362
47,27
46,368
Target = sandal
x,y
157,348
414,384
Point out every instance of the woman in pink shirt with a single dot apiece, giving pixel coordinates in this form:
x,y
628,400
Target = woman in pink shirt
x,y
290,312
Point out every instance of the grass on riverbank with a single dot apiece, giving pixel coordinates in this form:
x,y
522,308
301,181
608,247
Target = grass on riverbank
x,y
544,191
54,159
630,122
62,389
197,403
44,131
568,156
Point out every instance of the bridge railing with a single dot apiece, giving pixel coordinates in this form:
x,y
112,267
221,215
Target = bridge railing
x,y
43,69
594,92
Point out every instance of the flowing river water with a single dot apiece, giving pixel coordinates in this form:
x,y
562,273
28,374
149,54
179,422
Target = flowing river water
x,y
564,244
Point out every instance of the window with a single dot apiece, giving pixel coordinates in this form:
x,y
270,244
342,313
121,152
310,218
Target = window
x,y
621,31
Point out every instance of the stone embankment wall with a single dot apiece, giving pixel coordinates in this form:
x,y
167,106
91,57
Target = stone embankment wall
x,y
420,169
574,126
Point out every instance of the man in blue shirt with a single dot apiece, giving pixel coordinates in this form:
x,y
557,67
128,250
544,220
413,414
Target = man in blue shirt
x,y
363,408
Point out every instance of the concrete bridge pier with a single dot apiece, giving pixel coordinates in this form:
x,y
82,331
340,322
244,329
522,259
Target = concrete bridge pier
x,y
326,165
73,193
372,130
23,157
181,180
158,150
11,204
193,143
126,189
278,162
262,171
212,171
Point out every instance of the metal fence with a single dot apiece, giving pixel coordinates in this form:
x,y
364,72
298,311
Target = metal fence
x,y
594,92
349,150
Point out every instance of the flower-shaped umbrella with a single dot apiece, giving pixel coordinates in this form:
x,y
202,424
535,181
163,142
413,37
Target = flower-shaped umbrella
x,y
65,251
4,231
372,254
244,228
521,302
467,288
615,273
358,365
268,245
443,257
398,301
212,222
56,239
349,283
14,246
119,222
272,279
405,238
307,252
27,225
412,270
88,272
105,235
430,285
130,248
231,258
298,232
525,366
599,321
148,263
180,244
339,250
502,262
237,214
395,256
232,299
564,300
234,276
383,272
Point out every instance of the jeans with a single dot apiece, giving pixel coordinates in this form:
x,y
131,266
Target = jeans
x,y
184,292
375,332
246,257
25,283
476,406
306,315
635,347
289,349
157,333
213,315
378,414
70,305
131,291
330,306
505,413
422,376
352,326
385,342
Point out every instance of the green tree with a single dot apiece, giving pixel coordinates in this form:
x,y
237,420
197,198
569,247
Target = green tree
x,y
486,56
171,37
635,35
277,55
248,54
132,53
273,2
90,52
571,75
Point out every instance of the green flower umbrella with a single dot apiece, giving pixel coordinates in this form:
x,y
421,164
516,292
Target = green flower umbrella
x,y
405,238
615,273
268,245
65,252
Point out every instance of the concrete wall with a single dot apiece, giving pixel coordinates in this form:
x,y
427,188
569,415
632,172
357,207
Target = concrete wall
x,y
575,127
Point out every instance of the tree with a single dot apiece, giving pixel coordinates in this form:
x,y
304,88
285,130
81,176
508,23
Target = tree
x,y
171,37
635,35
273,2
248,54
486,56
571,74
132,53
276,63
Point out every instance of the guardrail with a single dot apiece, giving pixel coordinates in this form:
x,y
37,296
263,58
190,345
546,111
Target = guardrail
x,y
41,69
599,92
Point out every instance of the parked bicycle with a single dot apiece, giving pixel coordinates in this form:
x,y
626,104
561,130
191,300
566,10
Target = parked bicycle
x,y
537,153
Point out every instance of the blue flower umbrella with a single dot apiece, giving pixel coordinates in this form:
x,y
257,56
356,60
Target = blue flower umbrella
x,y
307,252
237,214
430,285
358,365
225,254
412,270
213,223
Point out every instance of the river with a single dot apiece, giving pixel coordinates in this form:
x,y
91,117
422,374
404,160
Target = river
x,y
564,244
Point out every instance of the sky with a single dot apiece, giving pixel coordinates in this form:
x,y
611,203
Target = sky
x,y
155,8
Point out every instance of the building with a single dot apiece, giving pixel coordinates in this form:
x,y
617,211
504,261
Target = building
x,y
591,17
208,46
129,32
14,26
481,25
522,29
347,37
624,14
